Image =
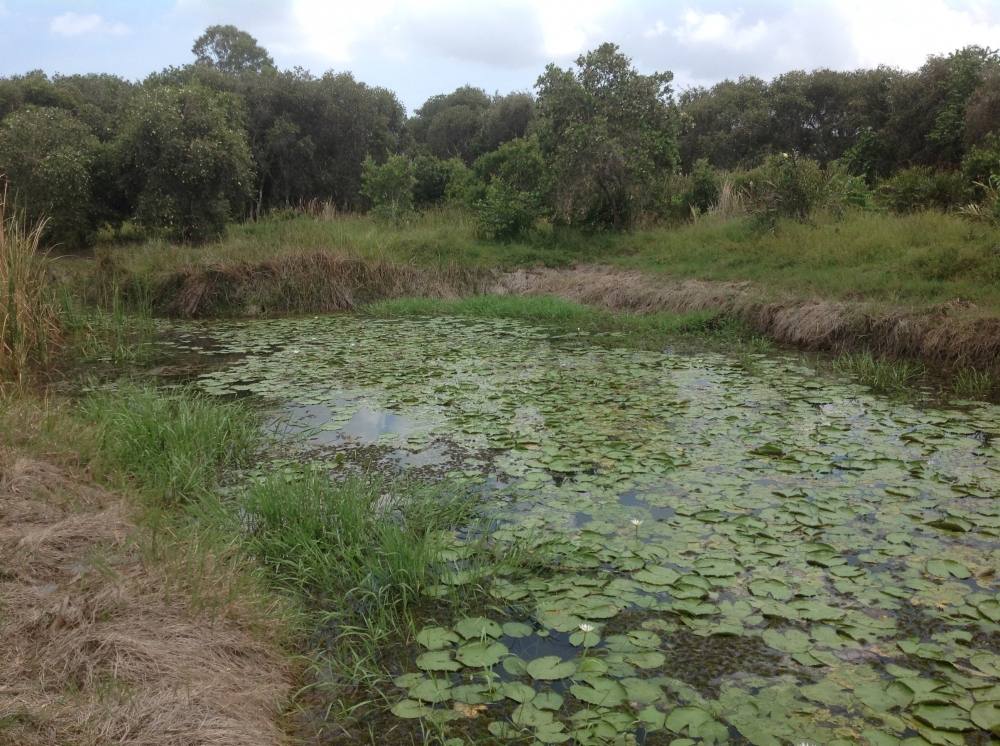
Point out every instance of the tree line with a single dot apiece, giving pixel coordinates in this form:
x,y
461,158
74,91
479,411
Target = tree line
x,y
230,136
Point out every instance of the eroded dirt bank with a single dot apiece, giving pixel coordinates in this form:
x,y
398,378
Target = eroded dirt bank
x,y
948,336
101,647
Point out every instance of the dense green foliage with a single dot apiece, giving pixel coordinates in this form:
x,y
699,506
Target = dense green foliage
x,y
230,137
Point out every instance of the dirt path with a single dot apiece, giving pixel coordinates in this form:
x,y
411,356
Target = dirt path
x,y
98,647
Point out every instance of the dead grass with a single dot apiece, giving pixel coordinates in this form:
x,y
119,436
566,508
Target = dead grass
x,y
949,336
99,646
314,282
29,321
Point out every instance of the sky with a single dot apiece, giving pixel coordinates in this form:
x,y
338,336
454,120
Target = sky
x,y
419,49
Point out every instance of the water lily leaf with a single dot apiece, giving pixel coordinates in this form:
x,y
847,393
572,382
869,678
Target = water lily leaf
x,y
653,720
600,691
517,691
472,628
943,717
431,690
481,654
642,691
548,700
657,575
517,629
646,659
551,733
529,715
990,608
986,715
550,668
437,660
587,639
769,587
471,694
435,638
515,666
409,708
944,568
689,718
788,641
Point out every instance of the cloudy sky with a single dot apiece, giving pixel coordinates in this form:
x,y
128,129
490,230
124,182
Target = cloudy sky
x,y
422,48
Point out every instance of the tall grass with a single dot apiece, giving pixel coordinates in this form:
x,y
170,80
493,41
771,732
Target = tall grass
x,y
881,374
175,445
30,329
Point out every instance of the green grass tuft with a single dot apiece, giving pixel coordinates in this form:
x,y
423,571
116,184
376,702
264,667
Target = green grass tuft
x,y
881,374
175,445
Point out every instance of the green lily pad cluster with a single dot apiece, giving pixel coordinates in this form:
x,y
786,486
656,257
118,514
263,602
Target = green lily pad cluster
x,y
841,548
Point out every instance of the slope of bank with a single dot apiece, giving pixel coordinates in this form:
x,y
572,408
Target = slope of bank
x,y
948,336
105,643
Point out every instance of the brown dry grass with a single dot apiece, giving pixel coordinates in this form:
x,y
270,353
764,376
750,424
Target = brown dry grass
x,y
30,330
313,282
101,647
949,336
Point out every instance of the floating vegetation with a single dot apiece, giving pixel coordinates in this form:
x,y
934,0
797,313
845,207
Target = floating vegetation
x,y
768,558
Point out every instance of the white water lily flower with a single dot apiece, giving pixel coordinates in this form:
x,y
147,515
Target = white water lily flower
x,y
586,627
636,522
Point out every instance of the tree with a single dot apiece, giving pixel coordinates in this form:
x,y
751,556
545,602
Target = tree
x,y
185,158
48,156
605,133
232,51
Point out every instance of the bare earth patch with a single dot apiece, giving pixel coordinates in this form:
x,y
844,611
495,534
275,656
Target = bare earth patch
x,y
98,647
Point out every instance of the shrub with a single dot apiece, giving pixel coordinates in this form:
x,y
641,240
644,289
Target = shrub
x,y
844,190
704,186
464,188
506,212
430,180
389,186
787,185
981,163
922,188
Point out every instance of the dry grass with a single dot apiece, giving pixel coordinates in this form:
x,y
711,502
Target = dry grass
x,y
29,319
949,336
100,647
314,282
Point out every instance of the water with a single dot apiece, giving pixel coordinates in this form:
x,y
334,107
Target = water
x,y
776,555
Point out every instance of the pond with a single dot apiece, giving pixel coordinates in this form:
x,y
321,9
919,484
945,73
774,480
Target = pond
x,y
740,551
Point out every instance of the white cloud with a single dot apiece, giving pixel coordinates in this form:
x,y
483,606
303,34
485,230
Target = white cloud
x,y
903,33
80,24
721,30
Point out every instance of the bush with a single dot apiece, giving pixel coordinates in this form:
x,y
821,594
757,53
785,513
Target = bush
x,y
389,186
49,157
505,212
465,189
922,188
431,176
704,186
787,185
982,163
844,190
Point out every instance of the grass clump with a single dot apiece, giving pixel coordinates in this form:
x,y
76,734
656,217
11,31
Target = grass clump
x,y
30,328
881,374
175,445
970,383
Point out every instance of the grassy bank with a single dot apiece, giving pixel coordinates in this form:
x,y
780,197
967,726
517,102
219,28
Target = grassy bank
x,y
919,259
343,574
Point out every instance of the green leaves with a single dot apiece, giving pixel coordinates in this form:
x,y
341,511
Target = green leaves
x,y
478,627
481,654
550,668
